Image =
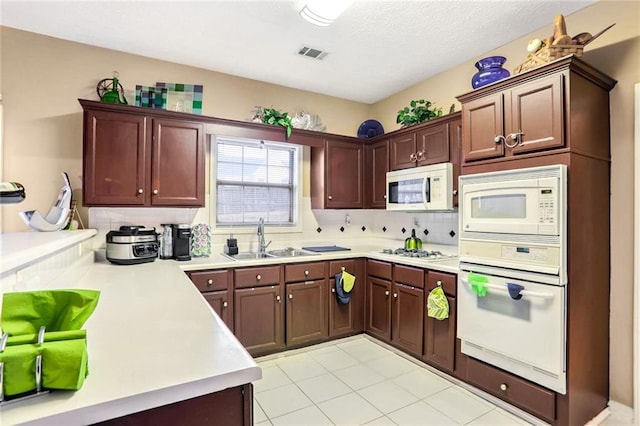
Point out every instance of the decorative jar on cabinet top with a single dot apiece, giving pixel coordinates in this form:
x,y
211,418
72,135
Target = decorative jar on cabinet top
x,y
489,70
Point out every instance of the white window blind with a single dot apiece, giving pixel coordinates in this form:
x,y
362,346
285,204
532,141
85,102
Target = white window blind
x,y
254,180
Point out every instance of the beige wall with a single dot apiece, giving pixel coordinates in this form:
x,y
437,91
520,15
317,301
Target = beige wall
x,y
42,77
617,53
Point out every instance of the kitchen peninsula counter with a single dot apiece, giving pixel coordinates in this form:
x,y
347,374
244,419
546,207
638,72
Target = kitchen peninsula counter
x,y
152,341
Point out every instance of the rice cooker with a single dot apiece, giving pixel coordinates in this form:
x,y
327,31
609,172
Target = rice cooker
x,y
131,245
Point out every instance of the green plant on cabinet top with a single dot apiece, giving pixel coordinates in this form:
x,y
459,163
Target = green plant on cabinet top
x,y
277,118
418,112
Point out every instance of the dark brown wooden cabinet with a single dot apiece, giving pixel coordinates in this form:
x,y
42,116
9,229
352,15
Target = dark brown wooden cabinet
x,y
376,168
306,308
347,319
424,144
378,300
337,174
440,335
216,288
259,309
407,308
131,158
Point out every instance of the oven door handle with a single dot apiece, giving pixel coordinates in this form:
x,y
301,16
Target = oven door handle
x,y
504,289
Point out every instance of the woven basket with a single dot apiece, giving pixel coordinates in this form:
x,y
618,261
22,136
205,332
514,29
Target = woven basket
x,y
548,54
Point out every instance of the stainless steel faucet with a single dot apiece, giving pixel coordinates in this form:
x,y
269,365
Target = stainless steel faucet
x,y
262,246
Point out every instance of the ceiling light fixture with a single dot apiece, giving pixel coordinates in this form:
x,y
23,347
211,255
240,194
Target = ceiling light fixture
x,y
323,12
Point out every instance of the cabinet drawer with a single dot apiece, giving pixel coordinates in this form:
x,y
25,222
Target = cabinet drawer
x,y
379,269
514,390
336,266
210,280
408,275
304,272
447,281
254,277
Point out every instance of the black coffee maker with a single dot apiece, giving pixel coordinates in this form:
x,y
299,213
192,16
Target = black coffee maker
x,y
181,241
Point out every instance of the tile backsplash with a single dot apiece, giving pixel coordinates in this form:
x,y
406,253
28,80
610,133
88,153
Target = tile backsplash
x,y
318,226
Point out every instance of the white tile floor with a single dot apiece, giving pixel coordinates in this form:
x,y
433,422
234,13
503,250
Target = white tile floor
x,y
357,381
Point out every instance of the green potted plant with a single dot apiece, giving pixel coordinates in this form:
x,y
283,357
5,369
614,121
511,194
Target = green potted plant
x,y
417,112
277,118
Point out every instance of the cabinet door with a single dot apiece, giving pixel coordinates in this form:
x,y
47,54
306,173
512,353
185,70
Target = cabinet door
x,y
345,319
433,145
258,321
344,175
306,312
440,339
116,159
379,308
402,149
455,144
177,177
219,301
408,308
377,166
537,110
482,121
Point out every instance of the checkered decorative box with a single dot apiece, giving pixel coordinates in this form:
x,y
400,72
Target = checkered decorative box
x,y
189,94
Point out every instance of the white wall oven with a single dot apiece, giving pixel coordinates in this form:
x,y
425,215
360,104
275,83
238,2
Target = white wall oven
x,y
513,277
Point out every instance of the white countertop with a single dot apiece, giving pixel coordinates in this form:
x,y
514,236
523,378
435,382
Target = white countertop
x,y
152,340
21,248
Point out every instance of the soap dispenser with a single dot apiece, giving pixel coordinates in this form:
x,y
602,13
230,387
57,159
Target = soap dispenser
x,y
231,247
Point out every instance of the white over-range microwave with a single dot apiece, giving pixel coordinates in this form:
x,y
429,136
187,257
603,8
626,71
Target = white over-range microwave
x,y
515,219
424,188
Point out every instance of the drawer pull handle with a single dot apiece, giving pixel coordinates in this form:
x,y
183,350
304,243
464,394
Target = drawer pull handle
x,y
140,191
342,268
278,298
503,387
155,192
224,304
439,283
386,293
209,283
290,296
306,273
258,277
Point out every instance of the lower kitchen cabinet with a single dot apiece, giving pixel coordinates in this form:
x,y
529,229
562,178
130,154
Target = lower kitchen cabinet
x,y
306,312
407,308
215,287
346,319
259,309
440,335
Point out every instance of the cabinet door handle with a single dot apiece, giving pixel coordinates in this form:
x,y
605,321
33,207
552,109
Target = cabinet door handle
x,y
140,190
290,296
503,387
384,197
413,157
516,138
386,293
500,139
420,155
333,290
258,277
395,295
209,283
306,273
278,298
155,192
439,283
330,197
224,304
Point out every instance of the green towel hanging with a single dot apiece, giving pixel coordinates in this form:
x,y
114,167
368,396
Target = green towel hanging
x,y
437,304
478,284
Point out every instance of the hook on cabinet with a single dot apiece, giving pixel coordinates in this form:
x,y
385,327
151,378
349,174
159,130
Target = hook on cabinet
x,y
342,269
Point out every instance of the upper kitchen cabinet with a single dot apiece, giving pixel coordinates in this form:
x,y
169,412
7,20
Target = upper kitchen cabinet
x,y
136,157
337,174
377,166
431,142
553,107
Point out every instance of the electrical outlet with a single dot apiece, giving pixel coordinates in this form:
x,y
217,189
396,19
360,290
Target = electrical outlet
x,y
347,220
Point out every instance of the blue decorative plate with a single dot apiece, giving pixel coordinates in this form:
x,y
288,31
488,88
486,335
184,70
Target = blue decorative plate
x,y
370,129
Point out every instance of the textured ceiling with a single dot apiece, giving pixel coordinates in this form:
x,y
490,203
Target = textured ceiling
x,y
375,49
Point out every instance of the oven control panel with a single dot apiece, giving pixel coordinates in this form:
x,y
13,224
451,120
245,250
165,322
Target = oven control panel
x,y
537,254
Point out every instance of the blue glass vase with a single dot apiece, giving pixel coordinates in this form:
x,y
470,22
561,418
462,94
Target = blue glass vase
x,y
489,70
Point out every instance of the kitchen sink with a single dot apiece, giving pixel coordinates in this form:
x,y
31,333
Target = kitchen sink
x,y
291,252
249,255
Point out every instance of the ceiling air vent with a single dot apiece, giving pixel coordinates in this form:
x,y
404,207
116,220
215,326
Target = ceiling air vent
x,y
312,53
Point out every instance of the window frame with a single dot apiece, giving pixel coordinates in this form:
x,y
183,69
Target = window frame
x,y
250,228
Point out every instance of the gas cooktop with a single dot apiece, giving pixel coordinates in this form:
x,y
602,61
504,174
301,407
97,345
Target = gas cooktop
x,y
425,254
